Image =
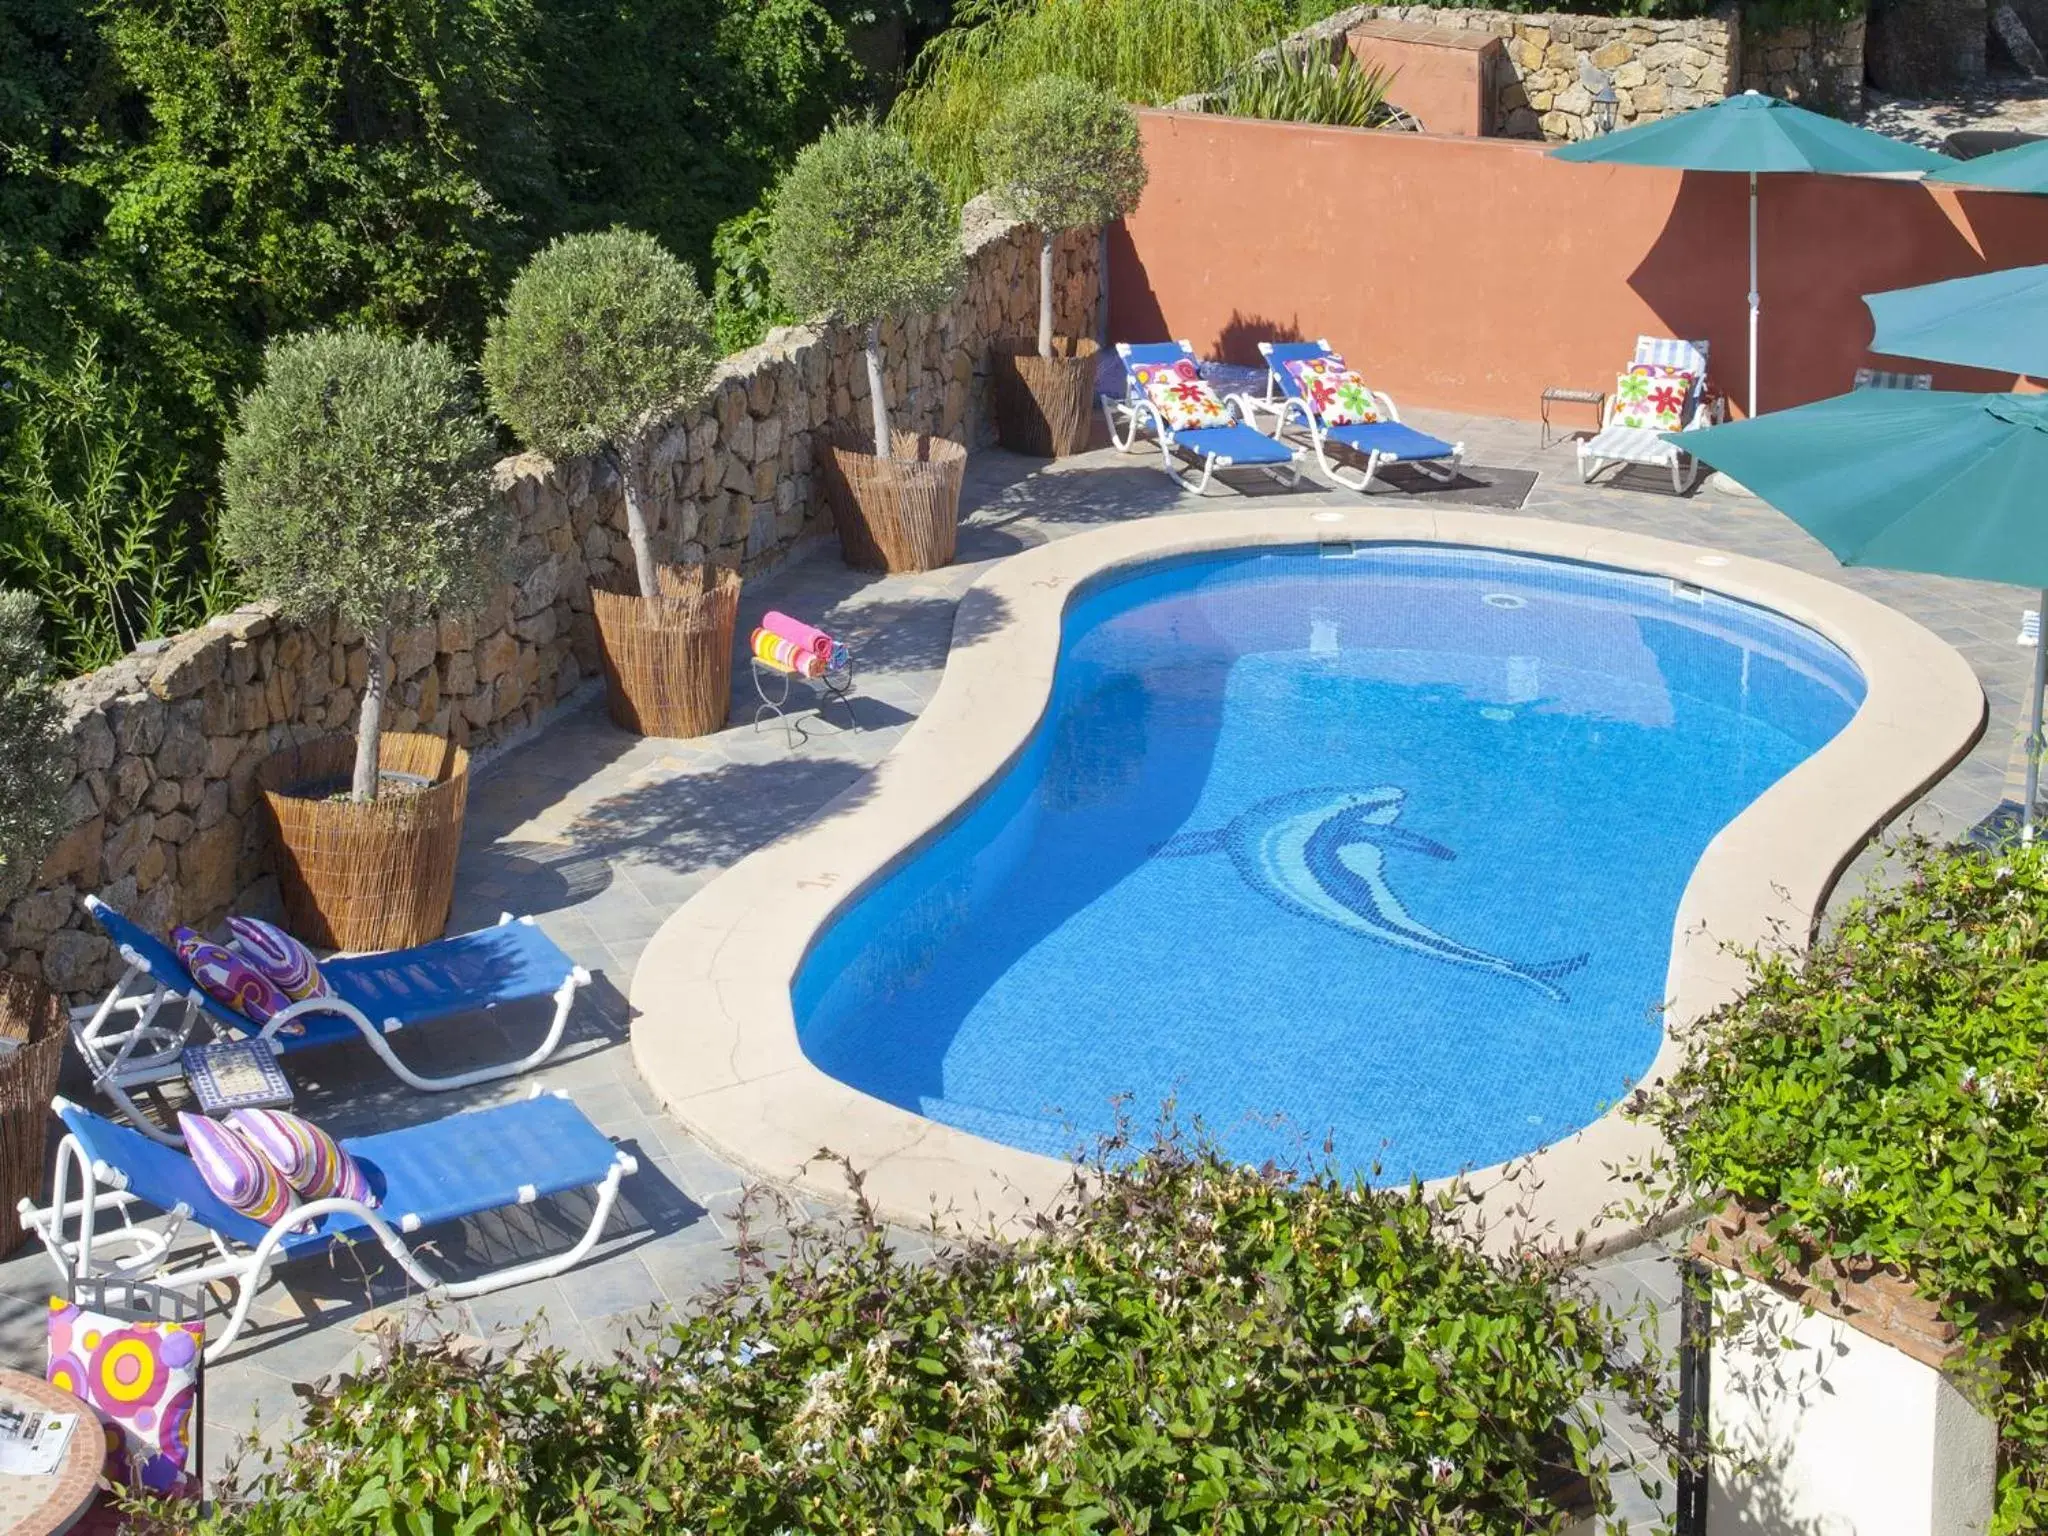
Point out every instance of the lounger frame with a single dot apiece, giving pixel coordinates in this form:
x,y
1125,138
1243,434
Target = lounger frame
x,y
93,1252
1685,469
133,1038
1285,403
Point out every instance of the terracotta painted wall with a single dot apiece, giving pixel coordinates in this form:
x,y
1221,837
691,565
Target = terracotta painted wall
x,y
1468,274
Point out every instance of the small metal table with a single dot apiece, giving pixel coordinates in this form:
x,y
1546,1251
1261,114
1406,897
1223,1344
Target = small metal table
x,y
1557,394
235,1074
44,1506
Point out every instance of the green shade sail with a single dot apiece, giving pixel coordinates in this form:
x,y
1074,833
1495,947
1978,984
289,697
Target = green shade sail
x,y
1904,479
1755,132
2021,169
1998,320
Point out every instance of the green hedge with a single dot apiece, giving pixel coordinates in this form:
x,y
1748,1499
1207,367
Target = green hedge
x,y
1195,1348
1887,1096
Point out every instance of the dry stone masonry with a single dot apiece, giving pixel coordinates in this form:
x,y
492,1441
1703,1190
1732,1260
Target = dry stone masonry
x,y
164,817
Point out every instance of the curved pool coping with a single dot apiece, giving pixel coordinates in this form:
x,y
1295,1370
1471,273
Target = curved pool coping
x,y
714,1030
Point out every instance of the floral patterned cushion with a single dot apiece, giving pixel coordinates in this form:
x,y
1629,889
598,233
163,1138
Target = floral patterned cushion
x,y
310,1160
142,1380
1653,401
1183,399
230,979
288,964
1336,394
242,1177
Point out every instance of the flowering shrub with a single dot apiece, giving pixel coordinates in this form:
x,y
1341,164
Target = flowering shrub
x,y
1885,1096
1187,1346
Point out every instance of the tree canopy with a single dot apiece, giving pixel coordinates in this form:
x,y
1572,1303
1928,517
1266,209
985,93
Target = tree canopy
x,y
1064,154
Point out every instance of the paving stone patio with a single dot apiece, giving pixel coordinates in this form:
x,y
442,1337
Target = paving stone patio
x,y
603,835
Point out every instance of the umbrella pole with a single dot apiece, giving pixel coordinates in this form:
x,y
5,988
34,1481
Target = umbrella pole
x,y
2034,728
1755,299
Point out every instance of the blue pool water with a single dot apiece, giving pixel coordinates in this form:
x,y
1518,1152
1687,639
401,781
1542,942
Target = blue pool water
x,y
1383,849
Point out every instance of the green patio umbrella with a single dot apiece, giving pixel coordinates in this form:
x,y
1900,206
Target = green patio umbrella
x,y
1910,480
1996,320
2022,169
1758,135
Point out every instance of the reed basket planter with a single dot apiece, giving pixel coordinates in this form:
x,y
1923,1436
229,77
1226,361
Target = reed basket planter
x,y
668,659
32,1039
366,877
900,514
1044,406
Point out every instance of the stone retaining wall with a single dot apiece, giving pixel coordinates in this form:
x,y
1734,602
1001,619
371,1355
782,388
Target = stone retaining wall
x,y
164,817
1818,66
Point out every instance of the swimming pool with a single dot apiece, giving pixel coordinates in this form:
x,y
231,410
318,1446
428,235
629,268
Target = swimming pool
x,y
1375,843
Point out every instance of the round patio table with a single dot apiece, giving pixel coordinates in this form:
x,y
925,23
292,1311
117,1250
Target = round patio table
x,y
44,1506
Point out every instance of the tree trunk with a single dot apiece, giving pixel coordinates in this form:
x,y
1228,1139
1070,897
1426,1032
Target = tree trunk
x,y
370,717
878,392
1045,295
629,466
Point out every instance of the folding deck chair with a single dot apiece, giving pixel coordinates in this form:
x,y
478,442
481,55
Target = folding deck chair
x,y
1614,444
464,1165
1238,444
1877,378
1380,443
133,1038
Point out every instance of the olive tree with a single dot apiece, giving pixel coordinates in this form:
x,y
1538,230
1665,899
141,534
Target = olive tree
x,y
1062,154
862,231
358,483
35,763
599,334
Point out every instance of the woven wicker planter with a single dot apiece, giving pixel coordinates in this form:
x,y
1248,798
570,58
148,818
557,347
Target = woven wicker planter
x,y
1044,406
32,1020
668,660
366,877
899,514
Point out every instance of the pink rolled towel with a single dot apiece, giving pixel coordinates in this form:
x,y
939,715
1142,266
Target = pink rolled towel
x,y
804,635
781,652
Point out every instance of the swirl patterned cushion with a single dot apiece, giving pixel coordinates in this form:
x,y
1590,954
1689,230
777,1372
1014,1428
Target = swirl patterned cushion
x,y
310,1160
244,1180
231,980
1183,398
142,1381
287,963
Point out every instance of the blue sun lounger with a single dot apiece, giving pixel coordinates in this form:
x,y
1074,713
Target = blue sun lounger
x,y
1380,443
1212,448
134,1037
423,1175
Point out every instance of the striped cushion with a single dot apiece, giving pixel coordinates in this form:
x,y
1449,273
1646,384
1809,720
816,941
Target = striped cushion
x,y
309,1159
244,1181
228,978
285,962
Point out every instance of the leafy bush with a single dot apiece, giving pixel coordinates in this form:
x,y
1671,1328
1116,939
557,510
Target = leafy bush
x,y
1062,154
1193,1347
1304,85
1884,1095
861,231
35,760
599,333
95,520
743,303
358,483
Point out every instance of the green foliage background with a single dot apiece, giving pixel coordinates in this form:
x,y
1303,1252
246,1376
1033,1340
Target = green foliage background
x,y
181,181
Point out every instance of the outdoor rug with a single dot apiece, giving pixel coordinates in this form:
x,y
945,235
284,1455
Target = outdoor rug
x,y
1476,485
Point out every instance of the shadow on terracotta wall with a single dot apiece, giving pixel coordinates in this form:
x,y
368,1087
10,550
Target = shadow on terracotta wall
x,y
1238,342
1819,251
1134,312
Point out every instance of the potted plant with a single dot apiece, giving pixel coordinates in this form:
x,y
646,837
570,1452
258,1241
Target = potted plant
x,y
35,770
861,231
601,334
1061,154
358,483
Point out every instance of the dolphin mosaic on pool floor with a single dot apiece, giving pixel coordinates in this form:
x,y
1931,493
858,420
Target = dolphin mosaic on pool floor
x,y
604,836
